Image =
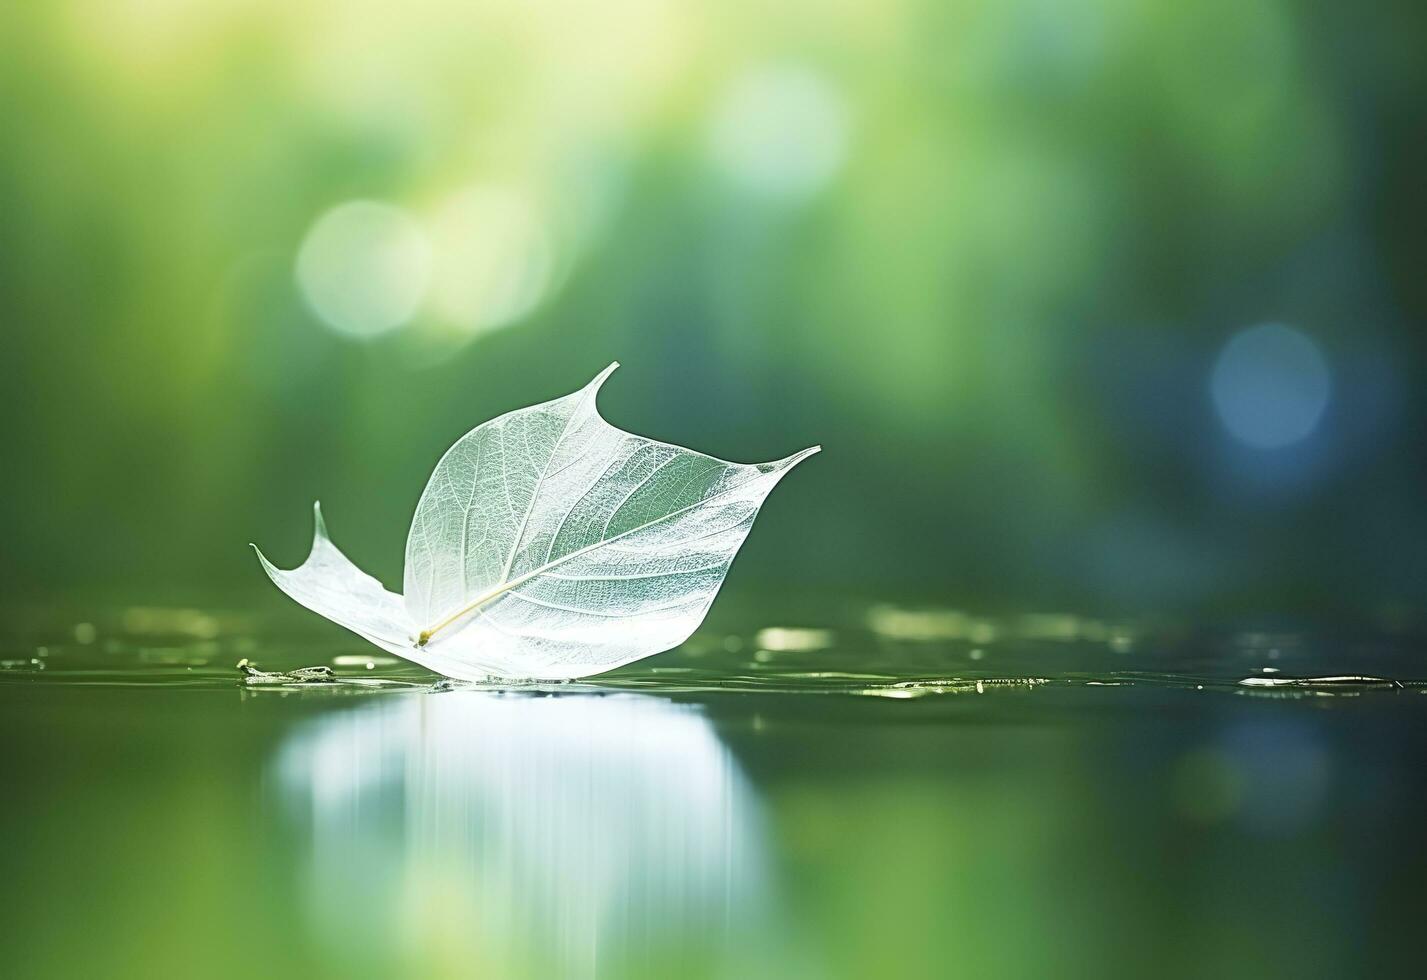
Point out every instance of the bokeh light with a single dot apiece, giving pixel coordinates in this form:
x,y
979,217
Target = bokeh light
x,y
493,258
1270,386
976,245
781,131
364,268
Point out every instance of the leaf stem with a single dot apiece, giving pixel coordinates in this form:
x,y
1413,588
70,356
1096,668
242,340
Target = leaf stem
x,y
425,635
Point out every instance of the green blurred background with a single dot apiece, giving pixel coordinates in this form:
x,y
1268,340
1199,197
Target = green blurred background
x,y
1094,304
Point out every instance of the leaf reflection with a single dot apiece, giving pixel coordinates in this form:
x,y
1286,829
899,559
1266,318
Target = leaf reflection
x,y
525,835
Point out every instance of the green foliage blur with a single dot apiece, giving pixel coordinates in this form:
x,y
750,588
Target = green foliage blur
x,y
986,252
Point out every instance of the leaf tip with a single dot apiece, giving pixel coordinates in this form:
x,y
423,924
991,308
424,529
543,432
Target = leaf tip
x,y
798,457
263,559
590,390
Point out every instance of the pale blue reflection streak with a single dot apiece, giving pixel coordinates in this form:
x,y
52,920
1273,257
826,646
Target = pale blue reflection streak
x,y
524,833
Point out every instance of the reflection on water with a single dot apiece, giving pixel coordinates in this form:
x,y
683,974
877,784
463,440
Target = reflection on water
x,y
523,835
948,794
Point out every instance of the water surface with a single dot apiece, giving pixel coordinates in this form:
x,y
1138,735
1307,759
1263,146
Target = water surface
x,y
868,789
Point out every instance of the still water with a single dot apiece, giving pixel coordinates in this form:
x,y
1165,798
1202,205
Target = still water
x,y
868,790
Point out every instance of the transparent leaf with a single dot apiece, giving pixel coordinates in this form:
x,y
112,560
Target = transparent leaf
x,y
550,544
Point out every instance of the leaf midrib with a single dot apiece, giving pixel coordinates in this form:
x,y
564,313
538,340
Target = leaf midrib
x,y
499,590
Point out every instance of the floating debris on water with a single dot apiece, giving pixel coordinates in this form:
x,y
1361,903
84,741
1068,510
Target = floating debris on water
x,y
1342,680
321,674
883,692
